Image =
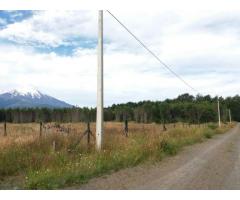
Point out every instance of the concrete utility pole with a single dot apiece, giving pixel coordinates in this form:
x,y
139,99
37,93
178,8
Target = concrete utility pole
x,y
230,117
219,117
99,119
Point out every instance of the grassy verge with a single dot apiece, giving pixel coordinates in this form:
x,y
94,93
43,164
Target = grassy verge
x,y
72,163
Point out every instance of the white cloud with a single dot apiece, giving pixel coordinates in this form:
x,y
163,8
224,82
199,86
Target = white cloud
x,y
2,21
73,79
208,60
51,28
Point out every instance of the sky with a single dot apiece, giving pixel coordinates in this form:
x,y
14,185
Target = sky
x,y
56,52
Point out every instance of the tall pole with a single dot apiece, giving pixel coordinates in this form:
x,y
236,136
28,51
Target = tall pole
x,y
230,117
99,119
219,117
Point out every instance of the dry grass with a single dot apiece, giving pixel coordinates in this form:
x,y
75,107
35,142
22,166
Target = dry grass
x,y
69,162
29,132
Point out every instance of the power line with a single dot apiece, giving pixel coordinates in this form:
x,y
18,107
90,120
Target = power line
x,y
153,54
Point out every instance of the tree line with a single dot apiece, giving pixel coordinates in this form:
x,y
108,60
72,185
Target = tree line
x,y
185,108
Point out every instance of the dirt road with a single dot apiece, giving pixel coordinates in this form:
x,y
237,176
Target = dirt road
x,y
213,164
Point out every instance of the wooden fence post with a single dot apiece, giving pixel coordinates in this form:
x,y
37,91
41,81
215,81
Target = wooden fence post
x,y
126,127
88,132
40,134
5,128
164,127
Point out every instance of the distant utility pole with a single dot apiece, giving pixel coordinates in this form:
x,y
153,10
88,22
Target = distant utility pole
x,y
99,119
219,117
230,117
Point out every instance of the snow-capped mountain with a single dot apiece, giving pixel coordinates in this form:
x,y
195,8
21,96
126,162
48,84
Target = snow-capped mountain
x,y
28,98
34,93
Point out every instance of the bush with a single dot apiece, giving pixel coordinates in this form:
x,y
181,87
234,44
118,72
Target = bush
x,y
208,133
169,147
212,126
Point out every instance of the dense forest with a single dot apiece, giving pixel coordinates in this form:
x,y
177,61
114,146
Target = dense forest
x,y
184,108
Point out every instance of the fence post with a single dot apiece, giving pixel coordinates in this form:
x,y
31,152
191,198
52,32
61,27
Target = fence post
x,y
5,128
164,127
126,127
88,132
40,134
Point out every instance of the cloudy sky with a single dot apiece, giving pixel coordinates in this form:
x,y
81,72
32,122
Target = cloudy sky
x,y
55,52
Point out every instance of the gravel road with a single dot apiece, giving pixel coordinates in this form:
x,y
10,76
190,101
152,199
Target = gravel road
x,y
213,164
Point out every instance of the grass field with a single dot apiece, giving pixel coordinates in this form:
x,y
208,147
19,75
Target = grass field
x,y
59,159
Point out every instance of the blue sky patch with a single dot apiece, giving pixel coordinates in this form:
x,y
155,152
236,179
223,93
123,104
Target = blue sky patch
x,y
13,16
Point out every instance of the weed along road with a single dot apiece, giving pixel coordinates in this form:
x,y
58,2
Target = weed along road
x,y
213,164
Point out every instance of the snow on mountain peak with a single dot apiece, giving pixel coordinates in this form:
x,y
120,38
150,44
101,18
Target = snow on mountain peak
x,y
26,91
29,97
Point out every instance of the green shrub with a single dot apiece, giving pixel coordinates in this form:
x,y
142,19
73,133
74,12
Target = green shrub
x,y
212,126
208,133
169,147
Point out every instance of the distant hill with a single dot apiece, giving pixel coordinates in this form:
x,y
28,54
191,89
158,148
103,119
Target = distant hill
x,y
30,98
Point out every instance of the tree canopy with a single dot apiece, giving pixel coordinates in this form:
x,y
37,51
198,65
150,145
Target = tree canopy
x,y
184,108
